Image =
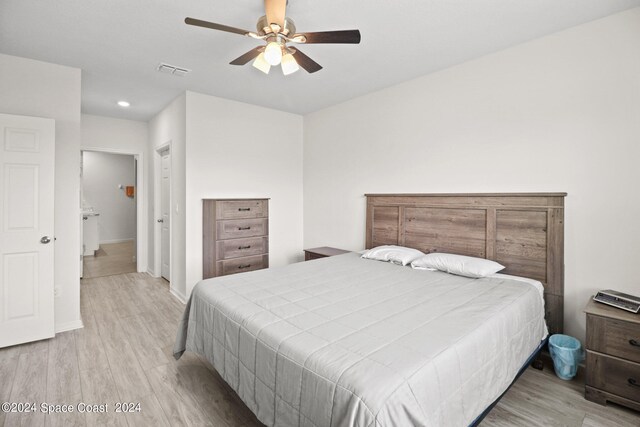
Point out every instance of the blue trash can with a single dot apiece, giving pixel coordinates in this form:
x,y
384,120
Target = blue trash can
x,y
567,354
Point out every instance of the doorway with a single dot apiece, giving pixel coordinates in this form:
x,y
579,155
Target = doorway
x,y
109,203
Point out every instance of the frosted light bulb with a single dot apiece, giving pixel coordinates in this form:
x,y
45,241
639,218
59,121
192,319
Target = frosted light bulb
x,y
289,64
273,53
261,64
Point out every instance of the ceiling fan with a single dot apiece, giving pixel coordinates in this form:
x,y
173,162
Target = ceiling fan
x,y
277,30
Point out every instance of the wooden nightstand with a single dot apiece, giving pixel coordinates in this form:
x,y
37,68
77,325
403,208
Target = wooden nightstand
x,y
322,252
613,356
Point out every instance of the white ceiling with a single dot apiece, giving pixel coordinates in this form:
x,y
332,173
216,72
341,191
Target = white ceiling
x,y
119,43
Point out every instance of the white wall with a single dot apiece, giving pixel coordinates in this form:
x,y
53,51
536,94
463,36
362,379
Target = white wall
x,y
561,113
35,88
102,175
219,148
126,136
107,133
169,127
237,150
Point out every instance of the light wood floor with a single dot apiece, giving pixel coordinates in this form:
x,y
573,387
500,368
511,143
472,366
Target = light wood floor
x,y
124,355
110,259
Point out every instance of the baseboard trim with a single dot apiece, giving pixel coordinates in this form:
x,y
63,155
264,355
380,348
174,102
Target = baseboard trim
x,y
69,326
106,242
178,296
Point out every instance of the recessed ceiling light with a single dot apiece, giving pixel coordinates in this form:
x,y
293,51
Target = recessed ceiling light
x,y
123,103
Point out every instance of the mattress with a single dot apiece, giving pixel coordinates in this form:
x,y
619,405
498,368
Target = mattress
x,y
344,341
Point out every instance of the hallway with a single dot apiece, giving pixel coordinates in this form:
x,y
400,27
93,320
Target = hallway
x,y
110,259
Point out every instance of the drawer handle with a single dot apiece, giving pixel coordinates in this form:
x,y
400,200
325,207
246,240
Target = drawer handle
x,y
244,228
633,382
244,209
634,343
244,247
244,266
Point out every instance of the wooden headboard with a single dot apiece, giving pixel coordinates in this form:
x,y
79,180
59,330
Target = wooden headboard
x,y
522,231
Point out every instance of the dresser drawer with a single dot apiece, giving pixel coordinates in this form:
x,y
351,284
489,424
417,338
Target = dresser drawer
x,y
235,209
242,265
613,375
614,337
237,228
235,248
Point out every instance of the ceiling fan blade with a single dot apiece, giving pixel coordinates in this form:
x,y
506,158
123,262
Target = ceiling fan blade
x,y
243,59
214,26
275,11
305,62
343,36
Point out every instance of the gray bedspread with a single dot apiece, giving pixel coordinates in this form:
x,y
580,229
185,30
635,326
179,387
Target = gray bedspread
x,y
345,341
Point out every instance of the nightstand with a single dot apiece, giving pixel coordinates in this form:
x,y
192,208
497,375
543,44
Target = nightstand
x,y
613,356
322,252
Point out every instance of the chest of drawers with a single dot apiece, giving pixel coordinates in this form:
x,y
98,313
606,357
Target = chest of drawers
x,y
613,356
235,236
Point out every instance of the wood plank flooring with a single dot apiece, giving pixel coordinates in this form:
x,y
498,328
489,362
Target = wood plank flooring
x,y
110,259
123,354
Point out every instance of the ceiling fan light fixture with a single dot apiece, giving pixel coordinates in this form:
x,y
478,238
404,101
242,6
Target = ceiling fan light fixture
x,y
261,64
273,53
289,64
276,30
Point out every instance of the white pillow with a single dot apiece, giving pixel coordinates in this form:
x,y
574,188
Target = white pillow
x,y
395,254
458,264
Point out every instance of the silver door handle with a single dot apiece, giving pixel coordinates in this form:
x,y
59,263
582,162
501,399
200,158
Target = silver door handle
x,y
161,220
45,240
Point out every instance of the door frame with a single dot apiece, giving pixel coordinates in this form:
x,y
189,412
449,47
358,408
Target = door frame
x,y
157,213
142,244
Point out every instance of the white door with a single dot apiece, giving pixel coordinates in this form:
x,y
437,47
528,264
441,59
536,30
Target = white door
x,y
27,147
165,207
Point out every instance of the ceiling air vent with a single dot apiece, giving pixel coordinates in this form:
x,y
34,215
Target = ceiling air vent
x,y
172,69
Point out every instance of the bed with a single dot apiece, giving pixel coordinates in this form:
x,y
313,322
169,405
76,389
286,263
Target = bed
x,y
345,341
